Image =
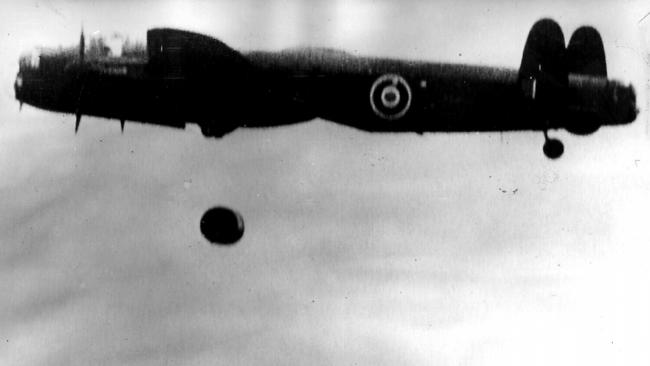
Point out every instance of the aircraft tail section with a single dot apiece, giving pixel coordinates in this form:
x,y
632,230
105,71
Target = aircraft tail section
x,y
585,53
568,86
544,52
543,74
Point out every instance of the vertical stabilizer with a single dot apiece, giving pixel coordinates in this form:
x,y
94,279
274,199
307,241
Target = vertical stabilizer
x,y
544,52
585,54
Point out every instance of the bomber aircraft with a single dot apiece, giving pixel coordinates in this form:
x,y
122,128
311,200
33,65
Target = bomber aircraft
x,y
183,77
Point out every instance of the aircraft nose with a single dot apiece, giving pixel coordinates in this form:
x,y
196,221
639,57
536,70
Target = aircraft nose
x,y
18,85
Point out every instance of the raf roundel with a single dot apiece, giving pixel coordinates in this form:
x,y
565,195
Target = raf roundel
x,y
390,97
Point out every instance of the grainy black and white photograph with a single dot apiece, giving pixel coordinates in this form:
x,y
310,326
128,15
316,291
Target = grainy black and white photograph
x,y
344,182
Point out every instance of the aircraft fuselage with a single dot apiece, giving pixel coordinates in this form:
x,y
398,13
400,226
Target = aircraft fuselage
x,y
186,77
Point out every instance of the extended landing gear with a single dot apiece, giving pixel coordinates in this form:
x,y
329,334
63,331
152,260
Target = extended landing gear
x,y
553,148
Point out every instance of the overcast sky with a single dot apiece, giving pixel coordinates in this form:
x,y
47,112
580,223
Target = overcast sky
x,y
368,249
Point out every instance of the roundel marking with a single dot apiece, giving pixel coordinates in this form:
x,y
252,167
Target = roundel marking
x,y
390,97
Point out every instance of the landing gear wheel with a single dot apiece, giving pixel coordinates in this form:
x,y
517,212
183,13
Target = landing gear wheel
x,y
553,148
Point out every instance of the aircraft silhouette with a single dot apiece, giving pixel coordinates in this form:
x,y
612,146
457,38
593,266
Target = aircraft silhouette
x,y
183,77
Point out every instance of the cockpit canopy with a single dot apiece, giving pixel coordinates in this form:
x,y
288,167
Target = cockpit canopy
x,y
30,59
46,58
113,46
99,48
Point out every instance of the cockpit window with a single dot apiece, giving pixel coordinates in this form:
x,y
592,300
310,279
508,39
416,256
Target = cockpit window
x,y
30,60
113,46
113,54
46,58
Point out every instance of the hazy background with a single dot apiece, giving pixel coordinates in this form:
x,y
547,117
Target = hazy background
x,y
360,248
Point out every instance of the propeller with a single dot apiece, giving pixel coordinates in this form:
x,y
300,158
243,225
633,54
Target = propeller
x,y
82,51
77,122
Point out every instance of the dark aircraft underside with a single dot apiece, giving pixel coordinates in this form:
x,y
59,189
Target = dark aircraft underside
x,y
184,77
